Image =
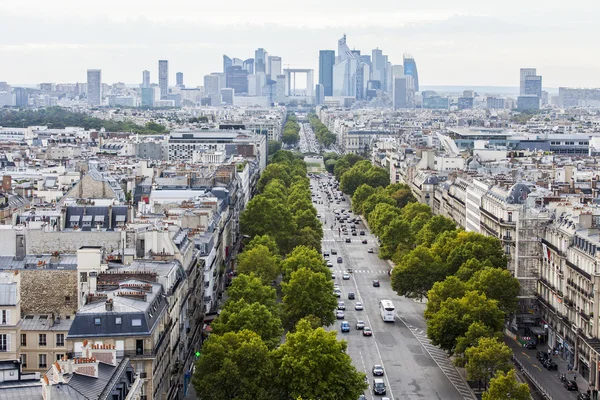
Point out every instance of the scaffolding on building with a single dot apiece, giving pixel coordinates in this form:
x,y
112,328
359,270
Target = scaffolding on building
x,y
530,225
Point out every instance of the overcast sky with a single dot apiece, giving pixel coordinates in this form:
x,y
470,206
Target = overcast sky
x,y
460,42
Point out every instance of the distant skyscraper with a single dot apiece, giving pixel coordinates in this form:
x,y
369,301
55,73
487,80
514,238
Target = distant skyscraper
x,y
21,97
400,90
525,72
260,60
145,79
533,85
179,78
275,67
227,95
212,89
326,63
148,96
94,87
319,94
410,68
249,66
163,78
345,71
397,70
226,63
528,102
378,66
236,78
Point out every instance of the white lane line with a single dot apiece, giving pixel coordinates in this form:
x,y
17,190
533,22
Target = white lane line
x,y
389,387
443,364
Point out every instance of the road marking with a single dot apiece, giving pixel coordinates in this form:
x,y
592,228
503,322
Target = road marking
x,y
537,367
441,359
525,354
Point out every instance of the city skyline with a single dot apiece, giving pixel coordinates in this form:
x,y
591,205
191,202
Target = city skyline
x,y
464,46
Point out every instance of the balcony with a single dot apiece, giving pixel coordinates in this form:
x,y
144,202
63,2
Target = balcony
x,y
584,316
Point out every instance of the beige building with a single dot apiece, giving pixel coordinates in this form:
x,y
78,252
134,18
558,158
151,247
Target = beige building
x,y
43,341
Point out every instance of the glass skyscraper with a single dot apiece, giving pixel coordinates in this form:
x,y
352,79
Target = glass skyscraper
x,y
326,62
410,68
94,87
163,78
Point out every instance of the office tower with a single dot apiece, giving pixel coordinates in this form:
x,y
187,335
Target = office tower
x,y
280,91
226,63
400,92
397,70
249,66
148,96
495,103
365,58
179,78
237,62
326,63
237,78
260,60
145,79
533,85
525,72
319,94
378,66
212,89
528,102
227,95
410,68
344,70
465,102
21,97
275,67
5,87
469,93
94,87
163,78
254,85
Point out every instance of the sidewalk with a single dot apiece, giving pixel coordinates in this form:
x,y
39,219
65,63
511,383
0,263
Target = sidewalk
x,y
548,380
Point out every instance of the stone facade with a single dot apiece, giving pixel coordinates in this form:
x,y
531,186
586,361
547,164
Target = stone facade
x,y
49,291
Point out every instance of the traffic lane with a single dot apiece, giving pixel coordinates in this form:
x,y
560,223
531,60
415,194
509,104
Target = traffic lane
x,y
411,372
549,380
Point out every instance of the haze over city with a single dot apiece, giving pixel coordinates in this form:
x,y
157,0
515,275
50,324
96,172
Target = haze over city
x,y
469,43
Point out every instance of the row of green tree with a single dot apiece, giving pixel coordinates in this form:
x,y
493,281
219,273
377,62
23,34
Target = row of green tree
x,y
352,171
58,118
462,274
291,130
244,357
322,133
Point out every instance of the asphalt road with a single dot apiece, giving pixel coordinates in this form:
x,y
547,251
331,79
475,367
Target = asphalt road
x,y
414,369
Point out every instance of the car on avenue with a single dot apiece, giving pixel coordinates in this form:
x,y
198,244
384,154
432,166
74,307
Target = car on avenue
x,y
358,306
341,305
346,277
376,283
360,324
377,370
367,331
339,314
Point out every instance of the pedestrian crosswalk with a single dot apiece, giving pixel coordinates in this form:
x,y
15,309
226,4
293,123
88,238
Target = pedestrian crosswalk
x,y
363,271
443,362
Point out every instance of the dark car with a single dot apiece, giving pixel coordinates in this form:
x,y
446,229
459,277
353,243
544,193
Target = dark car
x,y
362,233
376,283
378,386
348,240
350,295
339,260
364,241
353,233
530,345
583,396
333,252
571,385
550,365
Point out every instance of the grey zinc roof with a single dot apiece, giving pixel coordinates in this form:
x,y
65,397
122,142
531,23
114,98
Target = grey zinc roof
x,y
128,309
40,324
21,390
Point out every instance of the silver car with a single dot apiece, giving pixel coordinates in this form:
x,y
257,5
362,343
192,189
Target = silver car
x,y
358,306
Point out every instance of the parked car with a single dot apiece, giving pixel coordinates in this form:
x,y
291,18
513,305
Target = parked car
x,y
530,345
583,396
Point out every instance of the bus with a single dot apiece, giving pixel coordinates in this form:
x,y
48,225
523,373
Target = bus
x,y
387,311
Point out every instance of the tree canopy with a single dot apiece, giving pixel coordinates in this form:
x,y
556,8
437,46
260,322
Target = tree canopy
x,y
260,261
504,386
235,365
308,293
313,364
251,289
